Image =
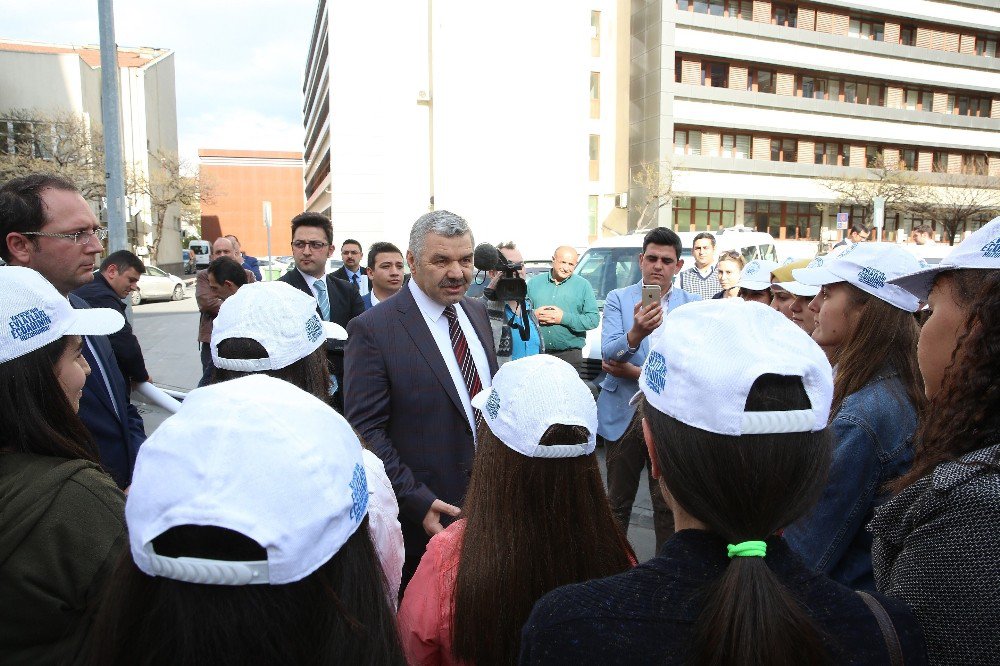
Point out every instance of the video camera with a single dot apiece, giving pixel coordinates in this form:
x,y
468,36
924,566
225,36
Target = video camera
x,y
510,287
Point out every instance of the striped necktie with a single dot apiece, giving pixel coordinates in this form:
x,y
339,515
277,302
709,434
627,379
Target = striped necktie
x,y
323,298
470,375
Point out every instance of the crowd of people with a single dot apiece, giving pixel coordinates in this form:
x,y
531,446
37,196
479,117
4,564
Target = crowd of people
x,y
370,485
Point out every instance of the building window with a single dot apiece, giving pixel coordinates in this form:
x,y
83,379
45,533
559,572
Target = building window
x,y
704,214
715,74
908,159
595,156
783,150
873,156
592,210
975,164
965,105
730,8
595,33
687,142
761,80
939,162
832,154
815,88
736,146
783,15
918,100
866,29
595,94
862,92
986,46
908,35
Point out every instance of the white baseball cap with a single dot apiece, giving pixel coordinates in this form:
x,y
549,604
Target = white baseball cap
x,y
783,275
270,462
530,395
980,250
35,314
756,275
687,377
280,317
869,267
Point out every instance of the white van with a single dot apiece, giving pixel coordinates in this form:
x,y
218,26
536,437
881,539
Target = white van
x,y
202,251
612,263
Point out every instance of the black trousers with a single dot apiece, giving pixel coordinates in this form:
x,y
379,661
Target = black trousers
x,y
572,356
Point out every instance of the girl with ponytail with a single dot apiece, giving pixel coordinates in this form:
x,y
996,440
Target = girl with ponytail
x,y
741,448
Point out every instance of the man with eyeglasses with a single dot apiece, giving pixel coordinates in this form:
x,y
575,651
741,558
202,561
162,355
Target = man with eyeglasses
x,y
209,303
337,300
46,225
625,335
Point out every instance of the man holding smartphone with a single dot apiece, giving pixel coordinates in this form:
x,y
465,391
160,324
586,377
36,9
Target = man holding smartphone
x,y
631,315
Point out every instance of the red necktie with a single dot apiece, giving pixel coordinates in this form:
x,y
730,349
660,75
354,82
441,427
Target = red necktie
x,y
464,357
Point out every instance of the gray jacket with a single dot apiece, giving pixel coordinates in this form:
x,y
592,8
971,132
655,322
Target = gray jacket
x,y
936,546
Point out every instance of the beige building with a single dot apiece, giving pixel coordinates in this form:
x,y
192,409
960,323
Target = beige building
x,y
54,80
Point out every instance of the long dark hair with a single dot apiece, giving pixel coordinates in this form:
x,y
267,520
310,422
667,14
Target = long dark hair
x,y
339,614
309,373
35,414
964,414
747,488
533,524
884,336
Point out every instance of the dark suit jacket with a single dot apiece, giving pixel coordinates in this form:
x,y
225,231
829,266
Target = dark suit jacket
x,y
118,437
402,400
345,305
342,274
128,353
251,264
367,300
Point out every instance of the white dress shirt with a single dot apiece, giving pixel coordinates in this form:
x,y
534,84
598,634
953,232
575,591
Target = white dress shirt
x,y
375,300
311,283
362,282
438,324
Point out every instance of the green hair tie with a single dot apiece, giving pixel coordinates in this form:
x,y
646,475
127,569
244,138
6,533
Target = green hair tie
x,y
747,549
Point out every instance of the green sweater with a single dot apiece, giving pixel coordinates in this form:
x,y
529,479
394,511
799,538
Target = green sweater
x,y
575,297
62,529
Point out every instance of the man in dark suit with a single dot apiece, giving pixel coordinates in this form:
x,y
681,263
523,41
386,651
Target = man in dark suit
x,y
352,271
412,365
46,225
119,277
385,273
337,300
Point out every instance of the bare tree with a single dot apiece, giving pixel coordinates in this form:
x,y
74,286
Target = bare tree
x,y
60,143
955,200
899,189
170,183
655,181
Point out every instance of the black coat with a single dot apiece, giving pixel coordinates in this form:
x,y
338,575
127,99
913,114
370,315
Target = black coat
x,y
342,274
128,353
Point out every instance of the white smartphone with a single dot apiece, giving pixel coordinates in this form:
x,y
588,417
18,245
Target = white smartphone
x,y
650,294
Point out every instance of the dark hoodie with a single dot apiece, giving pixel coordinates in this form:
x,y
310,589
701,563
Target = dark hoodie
x,y
62,529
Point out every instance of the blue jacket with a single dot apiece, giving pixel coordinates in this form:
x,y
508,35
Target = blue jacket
x,y
111,419
613,411
871,445
252,265
367,300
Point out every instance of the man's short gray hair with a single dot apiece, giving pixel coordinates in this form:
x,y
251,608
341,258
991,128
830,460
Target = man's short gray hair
x,y
506,245
440,222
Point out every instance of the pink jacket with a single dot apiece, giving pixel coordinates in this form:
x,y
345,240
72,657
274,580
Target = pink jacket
x,y
425,616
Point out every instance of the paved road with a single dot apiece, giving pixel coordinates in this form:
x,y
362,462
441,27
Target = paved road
x,y
167,334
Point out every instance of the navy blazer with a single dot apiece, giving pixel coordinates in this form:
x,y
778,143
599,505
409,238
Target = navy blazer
x,y
341,273
401,399
367,300
99,294
118,434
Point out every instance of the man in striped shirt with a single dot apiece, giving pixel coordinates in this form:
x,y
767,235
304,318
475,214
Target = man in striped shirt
x,y
701,279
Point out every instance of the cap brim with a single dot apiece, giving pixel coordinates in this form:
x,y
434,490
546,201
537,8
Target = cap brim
x,y
754,285
95,321
334,331
798,289
920,283
479,400
815,277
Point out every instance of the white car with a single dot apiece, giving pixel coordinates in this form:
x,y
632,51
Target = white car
x,y
612,263
156,284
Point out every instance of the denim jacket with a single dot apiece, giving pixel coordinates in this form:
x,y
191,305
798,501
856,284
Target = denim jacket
x,y
872,434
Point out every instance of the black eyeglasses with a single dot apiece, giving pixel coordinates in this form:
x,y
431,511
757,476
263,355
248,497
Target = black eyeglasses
x,y
78,238
315,245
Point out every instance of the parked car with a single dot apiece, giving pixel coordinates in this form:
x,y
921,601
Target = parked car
x,y
613,263
156,284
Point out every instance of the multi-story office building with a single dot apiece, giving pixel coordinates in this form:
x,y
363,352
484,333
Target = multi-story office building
x,y
759,104
515,119
57,81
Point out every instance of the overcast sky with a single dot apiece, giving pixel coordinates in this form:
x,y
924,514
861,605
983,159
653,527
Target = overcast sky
x,y
239,63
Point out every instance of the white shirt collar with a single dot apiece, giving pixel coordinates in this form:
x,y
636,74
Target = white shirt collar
x,y
375,300
309,278
431,309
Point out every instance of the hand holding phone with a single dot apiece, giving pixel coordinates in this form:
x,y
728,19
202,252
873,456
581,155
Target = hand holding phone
x,y
650,294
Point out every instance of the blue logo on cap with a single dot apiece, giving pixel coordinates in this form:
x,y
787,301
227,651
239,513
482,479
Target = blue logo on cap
x,y
359,493
872,277
656,372
26,325
992,249
493,404
815,263
314,329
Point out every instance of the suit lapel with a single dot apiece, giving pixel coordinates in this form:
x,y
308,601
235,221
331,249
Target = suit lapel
x,y
416,327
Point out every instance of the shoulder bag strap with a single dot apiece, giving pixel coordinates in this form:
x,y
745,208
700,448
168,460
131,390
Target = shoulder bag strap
x,y
888,630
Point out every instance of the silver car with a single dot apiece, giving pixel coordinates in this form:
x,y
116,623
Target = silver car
x,y
156,284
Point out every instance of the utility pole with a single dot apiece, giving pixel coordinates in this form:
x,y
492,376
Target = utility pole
x,y
110,115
